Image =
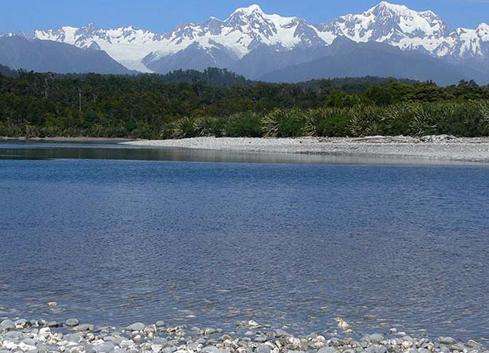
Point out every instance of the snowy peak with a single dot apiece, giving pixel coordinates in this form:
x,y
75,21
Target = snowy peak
x,y
243,31
248,11
406,21
389,23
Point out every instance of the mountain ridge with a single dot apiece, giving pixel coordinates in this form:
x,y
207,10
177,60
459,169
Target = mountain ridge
x,y
255,44
248,28
18,52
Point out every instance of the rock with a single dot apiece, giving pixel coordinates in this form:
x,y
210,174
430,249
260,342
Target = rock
x,y
160,324
7,325
473,344
105,347
328,350
374,338
72,322
210,331
457,347
53,324
86,327
406,344
73,337
263,348
447,340
21,323
211,349
171,349
137,326
376,349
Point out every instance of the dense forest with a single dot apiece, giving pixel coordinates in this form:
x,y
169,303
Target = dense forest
x,y
220,103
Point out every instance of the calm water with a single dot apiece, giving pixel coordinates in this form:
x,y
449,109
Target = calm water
x,y
118,241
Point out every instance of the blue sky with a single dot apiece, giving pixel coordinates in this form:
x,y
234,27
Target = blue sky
x,y
163,15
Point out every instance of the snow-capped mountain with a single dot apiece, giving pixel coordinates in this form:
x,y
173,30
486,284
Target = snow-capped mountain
x,y
249,39
244,30
129,46
407,29
393,24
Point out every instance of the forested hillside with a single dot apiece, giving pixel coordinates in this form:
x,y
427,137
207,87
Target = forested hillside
x,y
217,102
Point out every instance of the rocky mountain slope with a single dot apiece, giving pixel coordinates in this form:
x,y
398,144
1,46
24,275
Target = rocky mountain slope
x,y
18,52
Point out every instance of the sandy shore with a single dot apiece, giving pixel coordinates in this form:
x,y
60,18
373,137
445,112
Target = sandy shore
x,y
437,148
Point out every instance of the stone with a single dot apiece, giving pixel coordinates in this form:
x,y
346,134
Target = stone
x,y
171,349
328,350
280,333
72,322
74,338
261,338
105,347
137,326
160,324
20,323
263,348
376,349
211,349
374,338
7,325
473,344
446,340
457,347
86,327
52,324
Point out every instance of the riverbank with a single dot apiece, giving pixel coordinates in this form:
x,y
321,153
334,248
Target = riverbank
x,y
249,337
439,148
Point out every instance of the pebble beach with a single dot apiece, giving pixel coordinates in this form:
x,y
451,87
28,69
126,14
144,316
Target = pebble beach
x,y
41,336
435,148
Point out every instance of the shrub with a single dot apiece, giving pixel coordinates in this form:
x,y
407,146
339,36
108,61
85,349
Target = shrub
x,y
285,123
211,126
331,122
246,124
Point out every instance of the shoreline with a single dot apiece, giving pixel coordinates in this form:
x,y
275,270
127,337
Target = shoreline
x,y
248,337
435,148
427,149
61,139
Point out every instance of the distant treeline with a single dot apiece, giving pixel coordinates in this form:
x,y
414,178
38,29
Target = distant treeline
x,y
220,103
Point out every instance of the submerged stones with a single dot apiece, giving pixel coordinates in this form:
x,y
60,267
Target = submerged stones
x,y
446,340
72,322
137,326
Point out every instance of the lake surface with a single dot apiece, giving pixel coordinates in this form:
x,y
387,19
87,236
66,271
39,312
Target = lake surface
x,y
116,241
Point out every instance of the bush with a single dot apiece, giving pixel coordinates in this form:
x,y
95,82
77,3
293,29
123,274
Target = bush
x,y
285,123
469,119
328,122
211,126
243,125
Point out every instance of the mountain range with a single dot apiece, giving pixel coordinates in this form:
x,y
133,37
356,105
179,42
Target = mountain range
x,y
386,40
